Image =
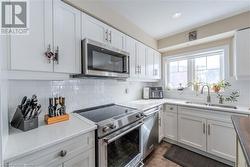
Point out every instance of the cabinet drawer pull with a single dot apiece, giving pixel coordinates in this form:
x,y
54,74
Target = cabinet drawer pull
x,y
204,128
63,153
171,108
208,129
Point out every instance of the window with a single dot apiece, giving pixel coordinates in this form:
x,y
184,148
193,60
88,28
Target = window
x,y
205,67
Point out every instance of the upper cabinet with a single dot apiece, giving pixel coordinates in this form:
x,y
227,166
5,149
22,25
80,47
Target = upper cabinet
x,y
242,54
140,60
53,30
100,32
157,65
27,51
153,64
67,38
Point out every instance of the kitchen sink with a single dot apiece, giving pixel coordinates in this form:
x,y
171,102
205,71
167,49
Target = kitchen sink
x,y
211,104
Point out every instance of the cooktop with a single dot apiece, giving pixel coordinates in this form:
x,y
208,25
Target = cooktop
x,y
104,112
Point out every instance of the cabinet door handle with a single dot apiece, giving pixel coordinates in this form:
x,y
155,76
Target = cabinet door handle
x,y
56,55
63,153
204,128
106,35
49,54
110,36
208,129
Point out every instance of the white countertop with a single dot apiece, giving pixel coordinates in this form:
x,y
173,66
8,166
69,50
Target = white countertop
x,y
21,143
150,103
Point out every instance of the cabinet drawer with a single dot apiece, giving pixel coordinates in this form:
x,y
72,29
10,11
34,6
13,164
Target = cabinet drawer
x,y
170,108
52,155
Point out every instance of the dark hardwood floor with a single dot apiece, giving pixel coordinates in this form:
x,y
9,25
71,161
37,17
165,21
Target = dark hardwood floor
x,y
156,158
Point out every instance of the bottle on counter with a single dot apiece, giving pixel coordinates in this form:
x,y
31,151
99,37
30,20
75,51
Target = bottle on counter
x,y
51,108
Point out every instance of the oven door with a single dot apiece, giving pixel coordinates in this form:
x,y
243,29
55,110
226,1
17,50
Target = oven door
x,y
122,148
102,60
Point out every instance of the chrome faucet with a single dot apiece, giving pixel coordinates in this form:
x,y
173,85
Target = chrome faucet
x,y
208,93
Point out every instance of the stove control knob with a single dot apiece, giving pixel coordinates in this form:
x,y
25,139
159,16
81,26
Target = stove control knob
x,y
105,129
112,126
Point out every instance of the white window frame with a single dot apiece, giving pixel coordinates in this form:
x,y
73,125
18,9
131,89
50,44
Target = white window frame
x,y
194,54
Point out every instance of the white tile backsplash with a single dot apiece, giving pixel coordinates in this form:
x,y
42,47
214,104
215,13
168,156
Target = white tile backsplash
x,y
79,93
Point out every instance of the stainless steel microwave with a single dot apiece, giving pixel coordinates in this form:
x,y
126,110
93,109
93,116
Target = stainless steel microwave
x,y
102,60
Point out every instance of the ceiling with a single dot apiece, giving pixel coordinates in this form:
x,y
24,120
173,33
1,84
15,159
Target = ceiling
x,y
155,16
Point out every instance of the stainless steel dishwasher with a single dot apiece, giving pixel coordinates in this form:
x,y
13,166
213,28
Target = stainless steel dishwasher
x,y
150,130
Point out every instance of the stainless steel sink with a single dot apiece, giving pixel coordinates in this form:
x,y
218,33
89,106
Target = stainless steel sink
x,y
214,105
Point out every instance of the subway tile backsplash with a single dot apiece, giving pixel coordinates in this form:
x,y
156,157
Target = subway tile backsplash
x,y
79,93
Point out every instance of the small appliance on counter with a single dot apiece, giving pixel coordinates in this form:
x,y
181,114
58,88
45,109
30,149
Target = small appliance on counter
x,y
26,115
56,111
152,93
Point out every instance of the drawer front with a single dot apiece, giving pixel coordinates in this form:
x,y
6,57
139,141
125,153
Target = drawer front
x,y
170,108
58,153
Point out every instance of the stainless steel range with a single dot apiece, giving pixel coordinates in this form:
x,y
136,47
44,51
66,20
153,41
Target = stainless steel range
x,y
118,136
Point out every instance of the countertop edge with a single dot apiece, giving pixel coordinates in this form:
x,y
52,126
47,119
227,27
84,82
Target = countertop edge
x,y
241,141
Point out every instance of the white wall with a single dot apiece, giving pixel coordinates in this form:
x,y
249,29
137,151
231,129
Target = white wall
x,y
79,94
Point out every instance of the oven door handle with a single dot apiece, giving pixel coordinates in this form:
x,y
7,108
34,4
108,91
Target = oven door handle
x,y
147,113
109,140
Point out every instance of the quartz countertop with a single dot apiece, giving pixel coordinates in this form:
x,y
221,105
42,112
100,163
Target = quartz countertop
x,y
150,103
21,143
242,128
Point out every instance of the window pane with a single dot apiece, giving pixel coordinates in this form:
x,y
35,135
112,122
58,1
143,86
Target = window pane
x,y
213,62
183,65
200,63
173,66
213,76
176,79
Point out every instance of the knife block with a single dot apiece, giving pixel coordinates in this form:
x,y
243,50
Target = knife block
x,y
29,124
51,120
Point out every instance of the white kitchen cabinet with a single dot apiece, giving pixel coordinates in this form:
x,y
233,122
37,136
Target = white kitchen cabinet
x,y
54,26
98,31
67,38
161,124
27,51
141,60
75,152
84,159
131,49
157,65
94,29
150,71
221,139
242,54
117,39
191,131
170,121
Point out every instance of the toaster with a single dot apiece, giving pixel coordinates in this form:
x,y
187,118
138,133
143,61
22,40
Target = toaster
x,y
152,93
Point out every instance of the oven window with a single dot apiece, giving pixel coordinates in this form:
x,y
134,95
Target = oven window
x,y
124,149
105,60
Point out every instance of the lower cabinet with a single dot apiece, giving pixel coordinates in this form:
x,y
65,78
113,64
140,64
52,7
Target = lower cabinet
x,y
221,139
209,132
76,152
191,131
170,120
161,124
85,159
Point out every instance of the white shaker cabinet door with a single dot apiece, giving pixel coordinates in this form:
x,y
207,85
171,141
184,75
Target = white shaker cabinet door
x,y
221,139
85,159
141,59
191,131
117,39
157,65
242,54
150,63
27,51
131,49
67,37
170,121
94,29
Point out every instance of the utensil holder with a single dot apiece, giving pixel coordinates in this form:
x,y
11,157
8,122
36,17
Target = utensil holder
x,y
28,124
